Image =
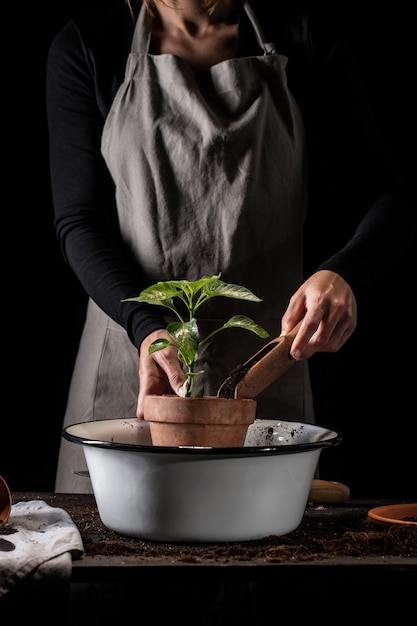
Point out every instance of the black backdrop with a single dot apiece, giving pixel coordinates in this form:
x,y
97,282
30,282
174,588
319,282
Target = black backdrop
x,y
366,391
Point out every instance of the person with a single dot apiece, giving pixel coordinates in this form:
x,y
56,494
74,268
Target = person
x,y
192,137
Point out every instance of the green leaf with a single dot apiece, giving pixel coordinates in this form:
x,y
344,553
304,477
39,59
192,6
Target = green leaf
x,y
160,293
229,290
203,283
186,335
158,344
241,321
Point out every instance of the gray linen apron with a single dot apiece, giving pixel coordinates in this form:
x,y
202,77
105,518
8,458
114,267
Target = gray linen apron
x,y
210,174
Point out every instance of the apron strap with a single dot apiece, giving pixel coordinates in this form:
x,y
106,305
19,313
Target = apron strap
x,y
143,29
267,47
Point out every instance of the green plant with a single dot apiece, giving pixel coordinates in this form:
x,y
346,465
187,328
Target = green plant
x,y
185,333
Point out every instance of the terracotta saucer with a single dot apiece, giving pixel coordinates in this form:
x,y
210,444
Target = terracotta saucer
x,y
394,514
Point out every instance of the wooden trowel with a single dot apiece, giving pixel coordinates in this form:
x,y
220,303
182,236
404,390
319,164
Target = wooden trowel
x,y
261,370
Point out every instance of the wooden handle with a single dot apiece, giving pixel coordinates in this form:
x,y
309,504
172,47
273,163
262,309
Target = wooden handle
x,y
328,492
267,365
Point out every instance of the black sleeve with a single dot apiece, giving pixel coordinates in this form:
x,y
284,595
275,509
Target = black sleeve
x,y
361,217
361,196
78,99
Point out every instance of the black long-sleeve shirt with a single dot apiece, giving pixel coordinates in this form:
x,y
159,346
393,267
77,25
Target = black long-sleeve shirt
x,y
360,219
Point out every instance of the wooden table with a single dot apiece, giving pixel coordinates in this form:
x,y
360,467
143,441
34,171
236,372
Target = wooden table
x,y
375,582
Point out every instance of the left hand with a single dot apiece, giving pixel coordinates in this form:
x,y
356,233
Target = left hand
x,y
328,307
160,372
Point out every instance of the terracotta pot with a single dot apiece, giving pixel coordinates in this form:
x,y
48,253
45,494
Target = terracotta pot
x,y
198,422
5,501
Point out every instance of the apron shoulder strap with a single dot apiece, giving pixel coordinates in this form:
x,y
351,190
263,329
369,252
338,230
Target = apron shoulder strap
x,y
142,33
267,47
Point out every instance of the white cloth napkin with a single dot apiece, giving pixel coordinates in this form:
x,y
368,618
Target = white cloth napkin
x,y
46,542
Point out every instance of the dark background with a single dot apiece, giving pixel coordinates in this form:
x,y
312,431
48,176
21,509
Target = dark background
x,y
366,391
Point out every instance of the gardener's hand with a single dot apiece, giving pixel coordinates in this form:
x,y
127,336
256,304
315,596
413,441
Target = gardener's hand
x,y
160,372
327,305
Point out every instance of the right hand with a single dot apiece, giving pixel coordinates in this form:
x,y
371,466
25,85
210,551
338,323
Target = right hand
x,y
160,372
328,307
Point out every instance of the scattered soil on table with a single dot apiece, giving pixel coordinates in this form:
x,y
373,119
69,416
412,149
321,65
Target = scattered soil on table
x,y
312,540
307,542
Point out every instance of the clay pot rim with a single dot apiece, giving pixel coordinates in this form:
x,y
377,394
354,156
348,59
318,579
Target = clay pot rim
x,y
207,410
213,399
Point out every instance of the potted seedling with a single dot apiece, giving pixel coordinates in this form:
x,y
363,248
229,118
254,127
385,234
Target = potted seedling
x,y
196,419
